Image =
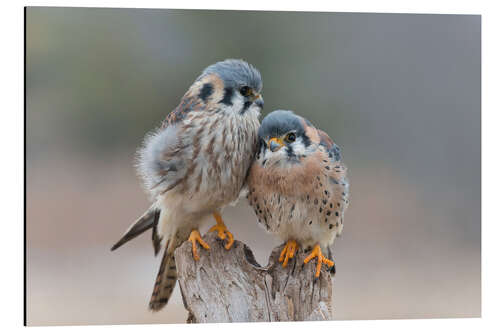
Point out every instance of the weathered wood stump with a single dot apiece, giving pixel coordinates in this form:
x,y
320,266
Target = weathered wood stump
x,y
230,286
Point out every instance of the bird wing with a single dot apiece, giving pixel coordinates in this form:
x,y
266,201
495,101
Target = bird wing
x,y
332,149
161,164
337,175
189,102
147,221
166,152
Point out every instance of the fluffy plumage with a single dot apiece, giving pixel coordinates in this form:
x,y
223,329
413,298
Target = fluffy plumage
x,y
297,183
196,162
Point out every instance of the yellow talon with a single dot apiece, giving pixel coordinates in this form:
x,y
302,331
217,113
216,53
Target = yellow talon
x,y
222,231
196,237
316,252
288,252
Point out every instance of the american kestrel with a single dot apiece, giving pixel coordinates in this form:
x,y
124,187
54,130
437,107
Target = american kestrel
x,y
298,186
197,162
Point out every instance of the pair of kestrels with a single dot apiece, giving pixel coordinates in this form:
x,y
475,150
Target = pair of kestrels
x,y
211,149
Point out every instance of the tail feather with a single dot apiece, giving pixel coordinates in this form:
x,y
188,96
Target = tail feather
x,y
165,281
147,221
330,256
156,239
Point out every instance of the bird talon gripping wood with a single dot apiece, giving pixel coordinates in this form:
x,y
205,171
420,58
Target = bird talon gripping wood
x,y
196,237
288,252
316,253
222,231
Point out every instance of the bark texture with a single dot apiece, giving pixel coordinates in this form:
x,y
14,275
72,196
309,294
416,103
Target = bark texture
x,y
230,286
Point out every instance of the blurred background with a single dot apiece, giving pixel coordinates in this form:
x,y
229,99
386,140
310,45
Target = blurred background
x,y
399,93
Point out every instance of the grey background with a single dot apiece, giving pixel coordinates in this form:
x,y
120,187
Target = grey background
x,y
399,93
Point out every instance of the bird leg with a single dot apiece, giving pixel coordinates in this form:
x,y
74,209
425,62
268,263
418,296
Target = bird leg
x,y
196,237
316,252
222,230
288,252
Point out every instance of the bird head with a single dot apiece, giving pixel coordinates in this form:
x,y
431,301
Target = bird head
x,y
235,84
284,137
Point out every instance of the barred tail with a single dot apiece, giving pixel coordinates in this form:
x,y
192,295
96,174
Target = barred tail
x,y
165,281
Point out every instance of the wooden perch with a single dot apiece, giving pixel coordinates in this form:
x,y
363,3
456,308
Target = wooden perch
x,y
230,286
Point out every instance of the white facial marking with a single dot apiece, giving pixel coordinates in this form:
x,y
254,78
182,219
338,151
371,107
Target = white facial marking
x,y
281,158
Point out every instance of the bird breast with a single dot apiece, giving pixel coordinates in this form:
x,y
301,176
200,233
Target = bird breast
x,y
305,201
223,147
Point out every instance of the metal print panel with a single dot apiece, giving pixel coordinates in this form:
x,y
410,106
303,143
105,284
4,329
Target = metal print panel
x,y
351,140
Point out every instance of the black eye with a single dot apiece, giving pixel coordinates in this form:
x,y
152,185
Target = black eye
x,y
245,91
290,137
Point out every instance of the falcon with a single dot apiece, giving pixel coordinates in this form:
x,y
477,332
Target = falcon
x,y
298,186
196,163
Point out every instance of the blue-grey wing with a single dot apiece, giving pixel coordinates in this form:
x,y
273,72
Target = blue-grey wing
x,y
165,152
162,159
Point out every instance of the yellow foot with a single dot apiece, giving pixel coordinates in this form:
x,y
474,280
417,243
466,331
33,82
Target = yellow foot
x,y
222,231
196,237
288,252
316,252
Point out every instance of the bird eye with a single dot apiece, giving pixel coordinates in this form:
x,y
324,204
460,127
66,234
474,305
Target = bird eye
x,y
245,91
290,137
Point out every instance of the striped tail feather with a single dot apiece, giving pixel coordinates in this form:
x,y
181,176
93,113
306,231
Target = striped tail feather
x,y
165,281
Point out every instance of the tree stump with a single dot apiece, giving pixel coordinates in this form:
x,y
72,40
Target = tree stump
x,y
230,286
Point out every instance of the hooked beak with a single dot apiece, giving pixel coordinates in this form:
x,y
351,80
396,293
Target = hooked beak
x,y
258,100
275,144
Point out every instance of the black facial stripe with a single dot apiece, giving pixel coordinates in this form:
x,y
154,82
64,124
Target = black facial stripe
x,y
206,91
246,105
262,146
305,139
228,95
289,151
